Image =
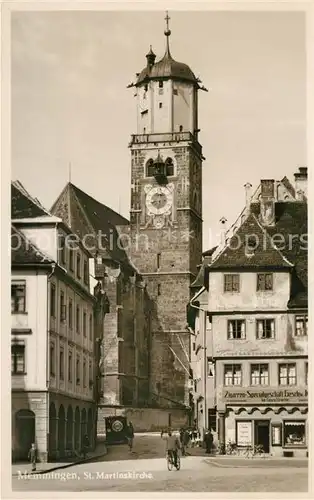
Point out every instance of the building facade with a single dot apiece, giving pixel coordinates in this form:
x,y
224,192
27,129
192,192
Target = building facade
x,y
54,369
166,214
256,344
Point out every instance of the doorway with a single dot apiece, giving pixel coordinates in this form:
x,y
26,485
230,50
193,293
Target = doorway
x,y
25,432
262,434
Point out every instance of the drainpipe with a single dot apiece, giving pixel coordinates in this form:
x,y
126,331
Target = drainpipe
x,y
53,266
205,354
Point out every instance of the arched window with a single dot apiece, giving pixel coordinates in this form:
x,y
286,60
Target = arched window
x,y
149,168
169,167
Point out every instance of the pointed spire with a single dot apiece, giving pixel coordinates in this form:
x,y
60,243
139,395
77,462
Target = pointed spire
x,y
167,33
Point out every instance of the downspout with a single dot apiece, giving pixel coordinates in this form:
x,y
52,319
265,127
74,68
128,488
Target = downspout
x,y
205,353
53,266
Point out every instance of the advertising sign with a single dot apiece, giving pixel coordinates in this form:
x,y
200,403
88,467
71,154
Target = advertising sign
x,y
244,433
252,395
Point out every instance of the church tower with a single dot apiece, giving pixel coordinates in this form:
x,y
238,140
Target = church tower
x,y
166,213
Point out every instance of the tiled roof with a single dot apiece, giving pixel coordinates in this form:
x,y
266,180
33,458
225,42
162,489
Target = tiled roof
x,y
86,216
235,254
25,252
23,205
291,226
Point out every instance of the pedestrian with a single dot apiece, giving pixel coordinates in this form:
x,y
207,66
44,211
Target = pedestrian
x,y
130,435
32,456
186,440
85,446
172,447
209,438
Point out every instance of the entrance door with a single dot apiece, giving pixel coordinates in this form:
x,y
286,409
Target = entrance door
x,y
25,430
261,435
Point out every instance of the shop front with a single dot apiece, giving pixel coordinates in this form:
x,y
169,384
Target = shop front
x,y
276,419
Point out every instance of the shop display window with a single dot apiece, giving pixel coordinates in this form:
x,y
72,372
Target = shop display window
x,y
294,433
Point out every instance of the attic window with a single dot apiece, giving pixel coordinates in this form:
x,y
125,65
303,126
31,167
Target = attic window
x,y
251,245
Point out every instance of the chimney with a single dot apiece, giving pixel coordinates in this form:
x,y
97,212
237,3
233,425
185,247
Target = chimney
x,y
248,197
267,202
300,179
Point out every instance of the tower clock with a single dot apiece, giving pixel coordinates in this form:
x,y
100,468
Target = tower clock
x,y
166,212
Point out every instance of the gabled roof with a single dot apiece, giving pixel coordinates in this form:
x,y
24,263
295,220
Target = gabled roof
x,y
23,205
23,251
265,254
87,216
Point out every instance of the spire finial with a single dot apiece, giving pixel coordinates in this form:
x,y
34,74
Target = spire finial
x,y
167,31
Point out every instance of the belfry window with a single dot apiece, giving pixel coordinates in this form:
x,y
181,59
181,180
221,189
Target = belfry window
x,y
150,168
169,167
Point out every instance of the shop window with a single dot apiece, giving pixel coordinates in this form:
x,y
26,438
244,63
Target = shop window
x,y
232,375
18,359
264,282
18,295
231,282
276,434
287,374
301,326
294,433
259,374
265,328
244,433
236,329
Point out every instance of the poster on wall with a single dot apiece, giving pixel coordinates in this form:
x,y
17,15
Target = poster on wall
x,y
244,433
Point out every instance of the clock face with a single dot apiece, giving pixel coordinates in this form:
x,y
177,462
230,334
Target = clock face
x,y
159,200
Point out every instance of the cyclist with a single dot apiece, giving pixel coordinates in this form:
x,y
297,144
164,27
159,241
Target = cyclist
x,y
172,447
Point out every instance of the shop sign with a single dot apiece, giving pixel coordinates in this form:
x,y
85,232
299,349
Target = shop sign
x,y
232,395
244,433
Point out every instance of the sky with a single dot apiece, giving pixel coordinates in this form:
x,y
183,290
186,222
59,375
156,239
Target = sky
x,y
70,104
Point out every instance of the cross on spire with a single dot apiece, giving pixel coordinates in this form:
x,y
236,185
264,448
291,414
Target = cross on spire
x,y
167,19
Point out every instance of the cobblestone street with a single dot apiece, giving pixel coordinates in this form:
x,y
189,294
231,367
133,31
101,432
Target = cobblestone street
x,y
145,469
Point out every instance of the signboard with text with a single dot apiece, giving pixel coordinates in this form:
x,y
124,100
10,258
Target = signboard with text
x,y
253,395
244,433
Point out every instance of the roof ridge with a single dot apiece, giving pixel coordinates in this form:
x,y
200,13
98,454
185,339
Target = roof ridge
x,y
19,186
32,244
272,243
76,188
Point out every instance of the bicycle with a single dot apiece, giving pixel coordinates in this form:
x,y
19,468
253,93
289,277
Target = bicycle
x,y
171,463
252,451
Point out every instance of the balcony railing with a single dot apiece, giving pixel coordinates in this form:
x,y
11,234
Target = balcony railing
x,y
167,137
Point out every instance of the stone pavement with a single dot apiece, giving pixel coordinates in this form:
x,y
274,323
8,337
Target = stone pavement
x,y
99,452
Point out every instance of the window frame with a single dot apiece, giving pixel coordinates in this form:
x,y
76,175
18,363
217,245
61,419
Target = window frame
x,y
78,265
259,365
84,324
287,365
264,320
53,300
61,365
14,358
238,320
77,320
70,314
231,276
263,288
85,272
16,284
71,259
63,315
304,318
70,366
78,370
52,360
233,365
292,445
